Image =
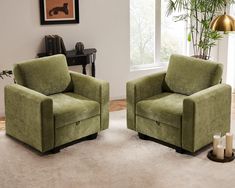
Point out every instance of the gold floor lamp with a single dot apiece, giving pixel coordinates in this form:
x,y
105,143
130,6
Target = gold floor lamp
x,y
223,22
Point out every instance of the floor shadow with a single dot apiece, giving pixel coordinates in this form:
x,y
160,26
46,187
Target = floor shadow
x,y
177,149
55,150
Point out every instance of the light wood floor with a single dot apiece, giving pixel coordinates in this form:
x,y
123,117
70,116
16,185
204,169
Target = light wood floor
x,y
2,124
117,105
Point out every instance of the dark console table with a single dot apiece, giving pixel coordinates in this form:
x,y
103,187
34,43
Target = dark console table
x,y
87,57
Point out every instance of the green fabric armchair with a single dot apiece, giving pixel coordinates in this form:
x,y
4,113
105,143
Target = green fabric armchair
x,y
50,106
183,106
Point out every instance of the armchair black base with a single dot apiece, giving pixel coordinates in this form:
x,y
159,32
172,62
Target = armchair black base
x,y
92,137
143,136
177,149
89,137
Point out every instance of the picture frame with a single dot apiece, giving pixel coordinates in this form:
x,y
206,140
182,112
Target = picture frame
x,y
59,12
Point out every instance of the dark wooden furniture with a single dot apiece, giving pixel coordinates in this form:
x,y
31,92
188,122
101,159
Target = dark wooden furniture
x,y
6,73
54,44
87,57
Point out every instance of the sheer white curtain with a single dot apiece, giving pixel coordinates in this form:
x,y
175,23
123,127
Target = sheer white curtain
x,y
231,55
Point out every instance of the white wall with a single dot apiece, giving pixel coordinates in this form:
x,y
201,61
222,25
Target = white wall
x,y
104,24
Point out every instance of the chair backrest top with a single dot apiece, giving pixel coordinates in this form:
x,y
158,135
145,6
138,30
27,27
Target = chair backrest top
x,y
47,75
188,75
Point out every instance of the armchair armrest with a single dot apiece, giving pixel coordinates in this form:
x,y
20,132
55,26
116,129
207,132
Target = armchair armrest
x,y
29,117
140,89
205,113
94,89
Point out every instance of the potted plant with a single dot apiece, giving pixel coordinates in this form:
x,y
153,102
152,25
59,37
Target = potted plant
x,y
199,15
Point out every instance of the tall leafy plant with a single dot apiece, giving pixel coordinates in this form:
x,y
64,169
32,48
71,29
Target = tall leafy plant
x,y
199,14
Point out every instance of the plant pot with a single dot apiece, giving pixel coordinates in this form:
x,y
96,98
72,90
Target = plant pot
x,y
201,57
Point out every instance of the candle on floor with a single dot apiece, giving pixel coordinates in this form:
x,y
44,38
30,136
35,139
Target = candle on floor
x,y
216,141
229,145
220,152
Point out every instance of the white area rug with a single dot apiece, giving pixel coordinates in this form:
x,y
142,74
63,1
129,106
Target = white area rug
x,y
117,158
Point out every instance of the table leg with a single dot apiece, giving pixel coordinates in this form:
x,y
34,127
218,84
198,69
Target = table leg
x,y
93,69
84,69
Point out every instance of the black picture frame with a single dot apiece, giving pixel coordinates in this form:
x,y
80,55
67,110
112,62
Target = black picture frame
x,y
48,21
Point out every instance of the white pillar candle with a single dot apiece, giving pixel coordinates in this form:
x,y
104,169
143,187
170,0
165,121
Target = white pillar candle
x,y
216,141
229,145
220,152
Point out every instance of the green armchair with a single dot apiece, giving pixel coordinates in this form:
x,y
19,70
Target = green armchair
x,y
50,106
183,106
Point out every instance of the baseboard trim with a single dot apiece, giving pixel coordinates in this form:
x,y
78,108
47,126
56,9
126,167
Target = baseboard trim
x,y
118,98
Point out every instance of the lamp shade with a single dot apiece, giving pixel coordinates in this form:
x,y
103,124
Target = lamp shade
x,y
223,23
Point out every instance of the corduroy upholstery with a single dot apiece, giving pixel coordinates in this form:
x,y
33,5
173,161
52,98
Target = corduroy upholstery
x,y
183,106
183,75
56,106
40,76
71,107
164,107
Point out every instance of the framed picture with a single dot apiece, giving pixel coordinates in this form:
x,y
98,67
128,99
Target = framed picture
x,y
59,11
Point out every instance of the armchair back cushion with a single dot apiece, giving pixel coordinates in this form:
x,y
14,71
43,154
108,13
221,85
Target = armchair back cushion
x,y
48,75
187,75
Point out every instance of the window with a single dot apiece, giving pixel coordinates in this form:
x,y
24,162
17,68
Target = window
x,y
173,35
142,29
232,10
231,54
153,35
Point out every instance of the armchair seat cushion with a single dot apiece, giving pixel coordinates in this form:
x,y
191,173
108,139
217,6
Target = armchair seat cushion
x,y
165,107
70,108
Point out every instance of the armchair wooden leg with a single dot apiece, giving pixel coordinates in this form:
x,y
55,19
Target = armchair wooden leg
x,y
143,136
55,150
92,136
180,150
